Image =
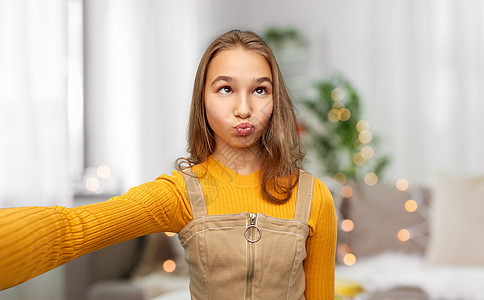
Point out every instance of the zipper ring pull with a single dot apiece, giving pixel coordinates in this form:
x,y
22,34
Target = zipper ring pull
x,y
249,239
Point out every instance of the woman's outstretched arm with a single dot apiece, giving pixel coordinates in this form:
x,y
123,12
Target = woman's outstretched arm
x,y
34,240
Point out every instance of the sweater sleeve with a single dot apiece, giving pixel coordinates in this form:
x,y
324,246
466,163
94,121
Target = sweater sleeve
x,y
34,240
321,245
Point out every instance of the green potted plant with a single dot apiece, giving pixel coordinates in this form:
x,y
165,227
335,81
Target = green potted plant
x,y
342,141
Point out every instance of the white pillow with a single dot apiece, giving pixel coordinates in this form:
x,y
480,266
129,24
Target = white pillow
x,y
457,221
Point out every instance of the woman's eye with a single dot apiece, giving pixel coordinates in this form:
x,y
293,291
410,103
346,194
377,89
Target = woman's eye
x,y
225,90
260,91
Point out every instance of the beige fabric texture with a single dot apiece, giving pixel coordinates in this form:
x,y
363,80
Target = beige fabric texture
x,y
224,264
456,221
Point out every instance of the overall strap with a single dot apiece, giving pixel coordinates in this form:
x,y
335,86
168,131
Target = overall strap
x,y
195,193
304,197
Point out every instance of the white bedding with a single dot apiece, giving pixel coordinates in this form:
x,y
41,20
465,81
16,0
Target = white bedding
x,y
390,270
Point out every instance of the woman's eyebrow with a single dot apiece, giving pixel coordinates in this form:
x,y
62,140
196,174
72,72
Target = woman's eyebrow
x,y
230,79
224,78
263,79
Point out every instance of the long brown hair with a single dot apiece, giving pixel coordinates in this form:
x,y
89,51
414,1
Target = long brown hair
x,y
281,153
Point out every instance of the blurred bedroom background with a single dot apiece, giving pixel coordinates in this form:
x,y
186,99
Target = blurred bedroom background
x,y
95,95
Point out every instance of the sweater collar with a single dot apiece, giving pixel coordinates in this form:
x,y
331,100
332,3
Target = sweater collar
x,y
225,174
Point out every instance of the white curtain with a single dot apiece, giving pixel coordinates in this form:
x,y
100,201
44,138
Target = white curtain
x,y
426,66
141,58
33,118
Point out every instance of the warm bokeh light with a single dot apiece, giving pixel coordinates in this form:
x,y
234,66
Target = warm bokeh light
x,y
340,178
344,114
337,94
362,126
411,205
358,159
403,235
347,225
333,115
338,105
371,178
169,266
402,184
365,137
170,234
92,184
343,249
367,152
346,191
103,172
349,259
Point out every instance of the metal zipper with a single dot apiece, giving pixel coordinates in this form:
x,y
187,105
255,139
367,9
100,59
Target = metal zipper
x,y
251,241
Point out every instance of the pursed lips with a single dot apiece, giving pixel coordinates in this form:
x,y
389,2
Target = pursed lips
x,y
244,128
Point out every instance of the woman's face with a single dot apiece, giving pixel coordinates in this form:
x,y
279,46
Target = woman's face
x,y
238,98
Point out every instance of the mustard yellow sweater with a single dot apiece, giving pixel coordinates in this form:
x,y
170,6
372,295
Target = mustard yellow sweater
x,y
34,240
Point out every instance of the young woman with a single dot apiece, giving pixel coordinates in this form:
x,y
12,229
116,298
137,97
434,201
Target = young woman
x,y
253,224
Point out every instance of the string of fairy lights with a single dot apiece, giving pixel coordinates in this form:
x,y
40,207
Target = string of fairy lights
x,y
364,152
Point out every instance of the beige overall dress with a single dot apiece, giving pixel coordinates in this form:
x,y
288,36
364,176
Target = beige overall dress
x,y
246,255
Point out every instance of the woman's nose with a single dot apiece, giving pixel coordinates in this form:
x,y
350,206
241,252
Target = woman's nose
x,y
242,107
